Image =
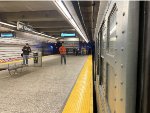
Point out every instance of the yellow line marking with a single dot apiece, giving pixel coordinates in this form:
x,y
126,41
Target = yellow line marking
x,y
81,97
17,61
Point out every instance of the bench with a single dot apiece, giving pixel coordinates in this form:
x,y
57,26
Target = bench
x,y
15,68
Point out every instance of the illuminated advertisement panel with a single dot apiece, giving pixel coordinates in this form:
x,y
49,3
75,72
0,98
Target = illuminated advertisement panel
x,y
7,35
68,35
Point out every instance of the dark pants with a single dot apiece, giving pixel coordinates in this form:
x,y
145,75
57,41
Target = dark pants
x,y
63,57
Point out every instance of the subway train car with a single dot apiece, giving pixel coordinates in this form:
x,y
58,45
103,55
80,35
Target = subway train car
x,y
122,58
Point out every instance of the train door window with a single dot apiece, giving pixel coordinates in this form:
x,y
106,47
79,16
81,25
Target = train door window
x,y
112,31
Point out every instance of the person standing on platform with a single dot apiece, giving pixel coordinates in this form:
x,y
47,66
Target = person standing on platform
x,y
74,51
26,50
62,51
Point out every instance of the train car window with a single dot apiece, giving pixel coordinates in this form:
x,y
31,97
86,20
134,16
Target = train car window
x,y
104,35
102,47
112,31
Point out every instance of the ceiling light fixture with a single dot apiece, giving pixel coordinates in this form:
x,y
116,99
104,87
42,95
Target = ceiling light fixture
x,y
65,12
10,25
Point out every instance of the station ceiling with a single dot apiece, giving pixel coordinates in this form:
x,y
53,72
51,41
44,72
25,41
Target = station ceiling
x,y
43,16
89,12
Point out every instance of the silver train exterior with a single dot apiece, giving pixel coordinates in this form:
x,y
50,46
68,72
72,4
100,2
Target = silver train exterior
x,y
116,52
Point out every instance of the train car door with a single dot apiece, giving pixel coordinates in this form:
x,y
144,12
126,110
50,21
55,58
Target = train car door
x,y
143,83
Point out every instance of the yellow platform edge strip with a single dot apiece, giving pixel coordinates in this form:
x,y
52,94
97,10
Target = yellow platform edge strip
x,y
19,61
81,97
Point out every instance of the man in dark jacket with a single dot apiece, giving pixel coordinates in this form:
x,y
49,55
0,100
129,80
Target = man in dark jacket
x,y
26,50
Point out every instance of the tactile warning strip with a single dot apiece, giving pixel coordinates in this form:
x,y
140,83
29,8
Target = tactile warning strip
x,y
81,97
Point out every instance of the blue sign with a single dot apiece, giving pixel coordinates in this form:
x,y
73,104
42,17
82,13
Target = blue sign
x,y
7,35
68,35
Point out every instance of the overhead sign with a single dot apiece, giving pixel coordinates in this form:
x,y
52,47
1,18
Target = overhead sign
x,y
68,35
7,34
22,27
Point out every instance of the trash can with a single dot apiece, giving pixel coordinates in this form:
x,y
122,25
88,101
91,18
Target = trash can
x,y
37,58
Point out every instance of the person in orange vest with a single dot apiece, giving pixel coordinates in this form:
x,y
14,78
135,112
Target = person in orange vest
x,y
62,51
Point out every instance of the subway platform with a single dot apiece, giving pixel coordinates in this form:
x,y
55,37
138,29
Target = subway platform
x,y
40,89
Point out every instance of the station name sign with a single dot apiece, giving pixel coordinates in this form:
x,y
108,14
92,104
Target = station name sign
x,y
22,27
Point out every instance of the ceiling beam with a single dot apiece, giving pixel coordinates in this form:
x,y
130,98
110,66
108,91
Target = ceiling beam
x,y
48,15
55,29
49,24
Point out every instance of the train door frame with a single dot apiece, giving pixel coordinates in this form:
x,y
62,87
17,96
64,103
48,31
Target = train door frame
x,y
97,64
95,60
98,55
100,62
143,79
101,56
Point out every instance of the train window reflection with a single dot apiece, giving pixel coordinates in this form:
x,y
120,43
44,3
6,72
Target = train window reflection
x,y
103,39
112,31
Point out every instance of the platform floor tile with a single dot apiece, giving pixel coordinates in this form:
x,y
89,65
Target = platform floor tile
x,y
40,89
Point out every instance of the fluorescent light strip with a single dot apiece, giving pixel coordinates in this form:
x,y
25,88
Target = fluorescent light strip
x,y
43,34
7,24
32,31
65,12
